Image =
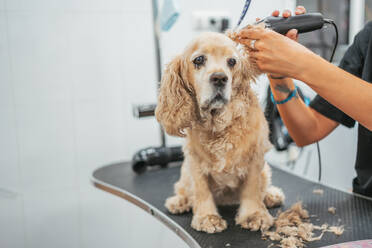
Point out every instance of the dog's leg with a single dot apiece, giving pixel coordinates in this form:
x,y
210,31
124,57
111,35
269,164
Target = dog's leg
x,y
274,196
181,201
206,217
252,212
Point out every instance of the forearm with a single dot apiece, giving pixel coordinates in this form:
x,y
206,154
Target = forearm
x,y
299,119
345,91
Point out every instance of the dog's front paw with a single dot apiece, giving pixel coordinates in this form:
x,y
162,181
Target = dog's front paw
x,y
177,204
208,223
259,220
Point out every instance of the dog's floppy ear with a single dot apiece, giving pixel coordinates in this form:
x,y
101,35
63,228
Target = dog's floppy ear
x,y
249,70
175,109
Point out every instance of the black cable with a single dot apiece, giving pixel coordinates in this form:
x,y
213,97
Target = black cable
x,y
329,21
319,162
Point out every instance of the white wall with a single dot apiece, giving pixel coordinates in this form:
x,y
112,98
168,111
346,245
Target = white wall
x,y
69,74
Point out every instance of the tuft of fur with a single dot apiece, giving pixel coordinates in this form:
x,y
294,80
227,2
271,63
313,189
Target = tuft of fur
x,y
244,49
332,210
293,229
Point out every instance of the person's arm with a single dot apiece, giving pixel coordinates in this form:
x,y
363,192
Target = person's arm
x,y
277,54
304,124
345,91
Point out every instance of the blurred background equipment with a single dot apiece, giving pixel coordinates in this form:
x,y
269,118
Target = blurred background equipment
x,y
169,14
155,156
322,41
162,155
368,10
279,135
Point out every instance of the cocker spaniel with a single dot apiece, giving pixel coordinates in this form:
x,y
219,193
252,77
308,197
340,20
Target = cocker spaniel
x,y
206,96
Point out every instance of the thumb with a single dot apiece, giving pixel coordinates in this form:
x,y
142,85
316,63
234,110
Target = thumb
x,y
292,34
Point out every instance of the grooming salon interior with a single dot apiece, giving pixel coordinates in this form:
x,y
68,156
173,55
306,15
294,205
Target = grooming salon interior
x,y
185,123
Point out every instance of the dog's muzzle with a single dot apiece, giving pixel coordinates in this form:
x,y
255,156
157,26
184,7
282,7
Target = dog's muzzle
x,y
218,80
218,92
218,99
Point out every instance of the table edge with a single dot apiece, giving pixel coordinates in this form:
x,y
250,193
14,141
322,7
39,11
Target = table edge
x,y
150,209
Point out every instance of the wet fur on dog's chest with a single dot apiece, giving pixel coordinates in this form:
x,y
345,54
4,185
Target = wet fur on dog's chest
x,y
230,151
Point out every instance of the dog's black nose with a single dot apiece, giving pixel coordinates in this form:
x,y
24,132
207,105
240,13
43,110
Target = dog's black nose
x,y
218,79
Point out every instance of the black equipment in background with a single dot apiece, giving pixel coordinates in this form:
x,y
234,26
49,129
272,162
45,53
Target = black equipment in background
x,y
322,41
153,156
156,156
279,135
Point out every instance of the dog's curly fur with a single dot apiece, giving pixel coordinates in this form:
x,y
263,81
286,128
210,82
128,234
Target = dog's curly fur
x,y
224,150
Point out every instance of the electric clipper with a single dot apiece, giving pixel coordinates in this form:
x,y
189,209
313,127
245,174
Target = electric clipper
x,y
303,23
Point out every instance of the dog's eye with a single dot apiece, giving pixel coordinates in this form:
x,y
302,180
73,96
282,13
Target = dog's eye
x,y
231,62
198,61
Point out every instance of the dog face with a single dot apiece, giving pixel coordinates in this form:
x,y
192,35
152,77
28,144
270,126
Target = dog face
x,y
212,63
202,82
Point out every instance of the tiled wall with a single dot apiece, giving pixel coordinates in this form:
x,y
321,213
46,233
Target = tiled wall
x,y
70,71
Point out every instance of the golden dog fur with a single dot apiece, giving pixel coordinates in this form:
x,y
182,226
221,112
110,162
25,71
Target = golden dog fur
x,y
224,150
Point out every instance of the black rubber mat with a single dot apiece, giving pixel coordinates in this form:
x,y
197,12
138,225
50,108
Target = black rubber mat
x,y
149,191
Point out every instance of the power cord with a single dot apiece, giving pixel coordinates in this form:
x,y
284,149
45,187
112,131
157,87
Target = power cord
x,y
329,21
319,162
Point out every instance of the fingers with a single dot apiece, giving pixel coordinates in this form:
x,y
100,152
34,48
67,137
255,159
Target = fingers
x,y
286,13
300,10
252,33
257,19
253,55
275,13
248,44
245,42
292,34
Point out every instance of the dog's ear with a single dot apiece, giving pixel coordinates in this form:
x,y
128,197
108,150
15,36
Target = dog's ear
x,y
175,109
248,70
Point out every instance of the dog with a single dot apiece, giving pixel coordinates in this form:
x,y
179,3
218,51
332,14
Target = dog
x,y
206,97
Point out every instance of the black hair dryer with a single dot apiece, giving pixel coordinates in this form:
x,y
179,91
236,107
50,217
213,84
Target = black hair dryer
x,y
155,156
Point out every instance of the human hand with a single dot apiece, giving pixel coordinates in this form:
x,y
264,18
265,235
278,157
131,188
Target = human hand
x,y
270,59
293,33
300,10
274,53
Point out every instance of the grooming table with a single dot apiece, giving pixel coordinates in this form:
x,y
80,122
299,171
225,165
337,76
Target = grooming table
x,y
149,191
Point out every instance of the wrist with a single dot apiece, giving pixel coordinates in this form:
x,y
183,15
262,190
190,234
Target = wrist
x,y
292,94
281,89
284,83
